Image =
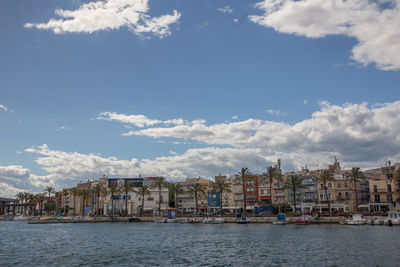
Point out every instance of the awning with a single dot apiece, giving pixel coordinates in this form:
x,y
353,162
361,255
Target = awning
x,y
265,198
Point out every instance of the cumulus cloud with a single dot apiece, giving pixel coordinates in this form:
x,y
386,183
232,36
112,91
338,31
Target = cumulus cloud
x,y
110,15
3,107
136,120
67,167
374,24
355,132
141,121
225,9
14,179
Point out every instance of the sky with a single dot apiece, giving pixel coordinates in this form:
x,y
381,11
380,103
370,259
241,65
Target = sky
x,y
194,88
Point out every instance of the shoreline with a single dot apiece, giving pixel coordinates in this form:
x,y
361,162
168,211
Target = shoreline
x,y
186,220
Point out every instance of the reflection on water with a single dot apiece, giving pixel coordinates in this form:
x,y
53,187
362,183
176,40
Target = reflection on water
x,y
183,245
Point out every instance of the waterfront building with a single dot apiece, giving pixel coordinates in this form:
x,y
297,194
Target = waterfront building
x,y
133,205
7,205
186,201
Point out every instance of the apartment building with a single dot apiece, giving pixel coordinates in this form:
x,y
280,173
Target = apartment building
x,y
186,200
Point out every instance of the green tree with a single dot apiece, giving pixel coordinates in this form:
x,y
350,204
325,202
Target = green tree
x,y
273,173
66,193
175,189
159,183
113,190
355,176
221,187
125,187
99,190
294,183
49,190
325,177
75,192
195,190
85,195
40,198
143,192
241,178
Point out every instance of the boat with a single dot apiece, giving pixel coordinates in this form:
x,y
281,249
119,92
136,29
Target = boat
x,y
375,221
20,218
356,219
393,218
194,220
242,220
281,219
304,220
213,221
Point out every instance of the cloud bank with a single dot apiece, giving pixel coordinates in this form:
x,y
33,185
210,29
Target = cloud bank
x,y
374,24
358,134
110,15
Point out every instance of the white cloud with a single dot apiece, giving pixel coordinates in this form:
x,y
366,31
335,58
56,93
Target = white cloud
x,y
110,15
305,102
3,107
226,9
137,120
374,24
141,121
355,132
236,20
276,112
235,117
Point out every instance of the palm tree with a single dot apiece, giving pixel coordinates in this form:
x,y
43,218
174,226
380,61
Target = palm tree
x,y
40,198
241,178
85,194
57,195
125,187
159,183
113,190
75,192
49,190
142,192
66,193
221,186
195,190
32,199
325,177
20,197
98,190
176,189
355,175
272,173
294,183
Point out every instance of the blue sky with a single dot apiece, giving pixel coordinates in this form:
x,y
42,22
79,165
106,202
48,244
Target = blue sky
x,y
213,62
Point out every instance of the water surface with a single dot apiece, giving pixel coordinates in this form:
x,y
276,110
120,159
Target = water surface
x,y
140,244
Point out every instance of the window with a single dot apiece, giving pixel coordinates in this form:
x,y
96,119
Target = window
x,y
389,198
340,194
150,199
345,185
377,198
262,192
347,195
375,188
321,196
339,185
389,188
329,185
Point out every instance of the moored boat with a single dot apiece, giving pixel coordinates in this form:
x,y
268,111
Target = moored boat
x,y
303,220
242,220
393,218
281,219
356,219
